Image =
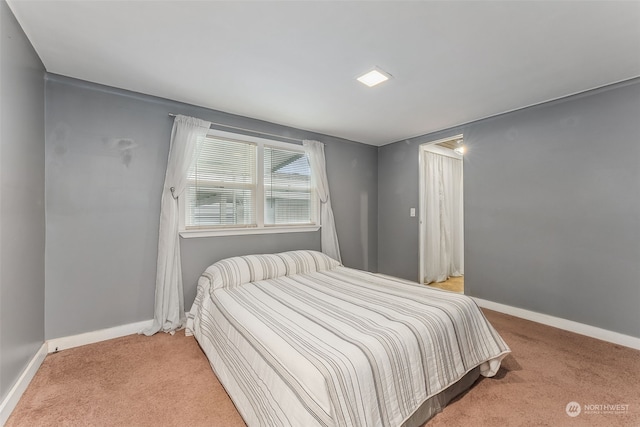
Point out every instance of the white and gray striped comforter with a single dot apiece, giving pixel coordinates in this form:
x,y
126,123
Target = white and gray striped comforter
x,y
339,347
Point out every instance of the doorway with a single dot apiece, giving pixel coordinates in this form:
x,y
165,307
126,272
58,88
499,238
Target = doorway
x,y
442,214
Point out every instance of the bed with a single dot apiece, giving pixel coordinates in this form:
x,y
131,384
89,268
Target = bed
x,y
297,339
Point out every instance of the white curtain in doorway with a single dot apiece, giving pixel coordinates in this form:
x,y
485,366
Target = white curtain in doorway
x,y
186,137
443,228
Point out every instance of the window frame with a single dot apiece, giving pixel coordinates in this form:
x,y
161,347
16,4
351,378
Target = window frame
x,y
259,197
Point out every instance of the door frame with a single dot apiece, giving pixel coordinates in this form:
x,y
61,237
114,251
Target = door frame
x,y
430,146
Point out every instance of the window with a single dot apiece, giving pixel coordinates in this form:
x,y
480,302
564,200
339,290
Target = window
x,y
287,187
245,185
221,185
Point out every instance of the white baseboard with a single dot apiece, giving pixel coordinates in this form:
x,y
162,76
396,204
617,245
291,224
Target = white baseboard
x,y
58,344
567,325
11,400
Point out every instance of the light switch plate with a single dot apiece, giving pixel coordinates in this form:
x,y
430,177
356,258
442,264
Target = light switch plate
x,y
412,212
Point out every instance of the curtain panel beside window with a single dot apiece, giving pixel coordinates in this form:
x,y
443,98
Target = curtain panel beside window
x,y
169,314
328,234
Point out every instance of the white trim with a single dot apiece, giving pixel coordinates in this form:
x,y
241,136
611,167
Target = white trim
x,y
259,193
13,397
72,341
442,151
57,344
188,234
259,196
441,140
11,400
567,325
421,215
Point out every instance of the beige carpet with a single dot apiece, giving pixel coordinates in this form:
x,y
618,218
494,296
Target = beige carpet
x,y
165,380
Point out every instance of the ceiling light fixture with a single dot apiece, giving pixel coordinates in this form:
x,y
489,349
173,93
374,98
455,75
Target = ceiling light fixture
x,y
460,149
374,77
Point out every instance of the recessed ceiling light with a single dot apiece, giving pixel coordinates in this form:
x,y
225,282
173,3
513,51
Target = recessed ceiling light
x,y
374,77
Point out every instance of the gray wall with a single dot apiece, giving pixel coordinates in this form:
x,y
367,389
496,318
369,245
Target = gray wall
x,y
103,205
552,208
21,201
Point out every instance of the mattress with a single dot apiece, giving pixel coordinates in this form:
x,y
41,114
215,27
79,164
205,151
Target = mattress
x,y
299,340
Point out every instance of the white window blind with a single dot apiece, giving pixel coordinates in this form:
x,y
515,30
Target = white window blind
x,y
222,185
241,184
287,187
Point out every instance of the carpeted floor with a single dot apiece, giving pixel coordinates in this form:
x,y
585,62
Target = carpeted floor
x,y
166,380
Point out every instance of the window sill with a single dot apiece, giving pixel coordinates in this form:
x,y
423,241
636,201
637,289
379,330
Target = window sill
x,y
189,234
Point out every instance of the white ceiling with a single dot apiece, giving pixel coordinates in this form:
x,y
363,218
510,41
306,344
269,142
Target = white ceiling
x,y
295,63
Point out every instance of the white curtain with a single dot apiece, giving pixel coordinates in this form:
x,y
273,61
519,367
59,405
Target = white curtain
x,y
442,205
328,235
169,303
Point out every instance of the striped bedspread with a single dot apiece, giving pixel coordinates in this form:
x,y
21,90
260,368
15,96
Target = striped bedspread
x,y
339,347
